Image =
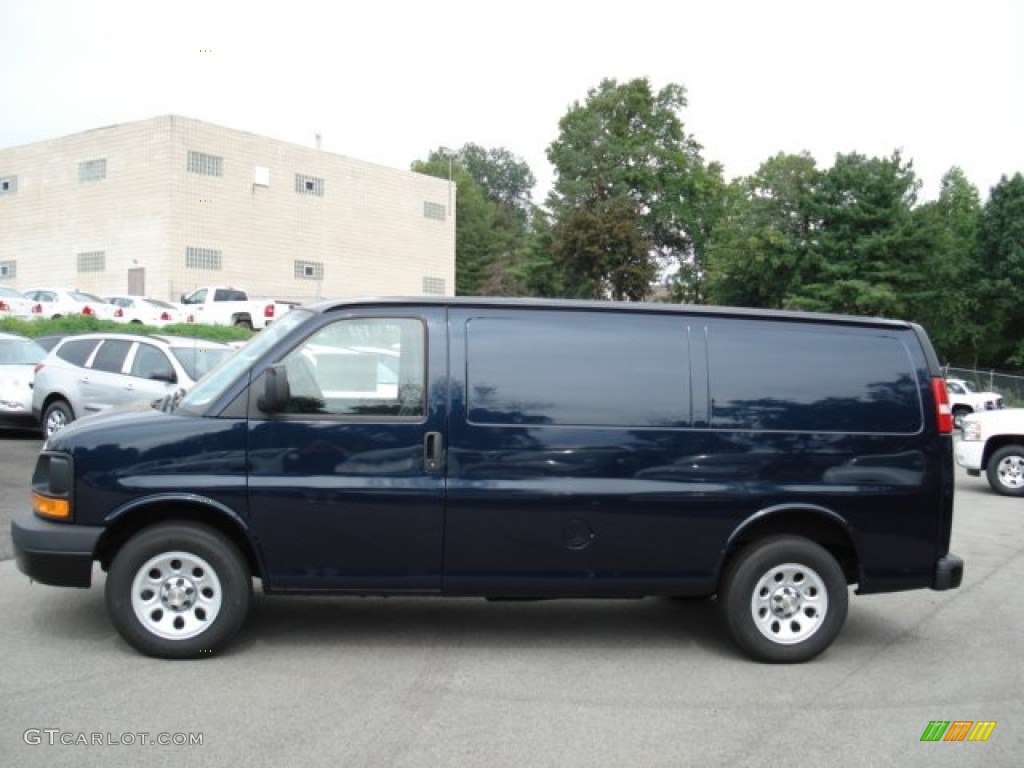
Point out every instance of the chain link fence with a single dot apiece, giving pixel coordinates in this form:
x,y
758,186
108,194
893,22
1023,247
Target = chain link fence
x,y
1010,386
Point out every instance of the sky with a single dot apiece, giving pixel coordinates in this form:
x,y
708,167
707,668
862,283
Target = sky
x,y
387,82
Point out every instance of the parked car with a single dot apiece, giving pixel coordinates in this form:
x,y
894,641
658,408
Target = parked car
x,y
91,372
49,341
993,442
221,305
18,358
963,399
487,448
52,303
14,303
154,312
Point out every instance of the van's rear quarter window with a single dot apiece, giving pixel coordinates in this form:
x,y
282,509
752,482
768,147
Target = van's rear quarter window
x,y
793,377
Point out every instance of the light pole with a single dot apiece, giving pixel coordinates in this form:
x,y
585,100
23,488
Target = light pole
x,y
451,154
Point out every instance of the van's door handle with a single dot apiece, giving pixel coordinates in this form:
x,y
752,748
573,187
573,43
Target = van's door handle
x,y
433,450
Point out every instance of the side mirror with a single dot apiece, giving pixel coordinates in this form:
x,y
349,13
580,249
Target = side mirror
x,y
165,374
276,391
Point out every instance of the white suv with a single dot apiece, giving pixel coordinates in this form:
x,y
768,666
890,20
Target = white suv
x,y
91,372
964,400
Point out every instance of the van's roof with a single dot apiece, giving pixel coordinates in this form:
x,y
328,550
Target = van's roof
x,y
329,305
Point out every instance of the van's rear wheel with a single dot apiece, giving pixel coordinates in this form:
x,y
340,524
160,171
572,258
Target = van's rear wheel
x,y
178,591
784,599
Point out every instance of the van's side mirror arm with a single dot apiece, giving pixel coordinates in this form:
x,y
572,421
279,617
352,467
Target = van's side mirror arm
x,y
276,391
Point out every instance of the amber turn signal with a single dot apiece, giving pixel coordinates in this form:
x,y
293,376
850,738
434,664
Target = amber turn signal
x,y
45,506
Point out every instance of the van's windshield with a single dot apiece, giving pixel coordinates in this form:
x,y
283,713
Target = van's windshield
x,y
228,372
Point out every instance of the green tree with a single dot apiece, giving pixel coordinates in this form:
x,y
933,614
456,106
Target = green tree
x,y
605,252
870,257
1002,270
764,242
477,242
949,305
505,179
493,211
507,183
627,144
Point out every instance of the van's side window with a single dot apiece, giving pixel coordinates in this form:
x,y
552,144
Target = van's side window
x,y
360,367
566,368
801,378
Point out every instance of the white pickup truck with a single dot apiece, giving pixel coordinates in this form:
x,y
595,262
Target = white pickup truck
x,y
219,305
993,443
963,399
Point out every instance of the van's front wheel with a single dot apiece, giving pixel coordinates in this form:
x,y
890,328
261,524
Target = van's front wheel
x,y
178,591
784,599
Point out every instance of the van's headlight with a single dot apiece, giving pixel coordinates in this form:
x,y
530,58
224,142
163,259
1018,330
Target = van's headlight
x,y
52,482
972,430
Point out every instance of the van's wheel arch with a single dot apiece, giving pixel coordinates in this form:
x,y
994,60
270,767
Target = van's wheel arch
x,y
243,321
178,590
1005,470
784,599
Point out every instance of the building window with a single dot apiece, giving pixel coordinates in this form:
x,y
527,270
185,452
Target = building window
x,y
92,170
309,270
309,185
93,261
434,211
8,270
206,165
8,185
202,258
433,285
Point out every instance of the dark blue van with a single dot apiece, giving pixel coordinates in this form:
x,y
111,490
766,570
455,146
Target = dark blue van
x,y
516,449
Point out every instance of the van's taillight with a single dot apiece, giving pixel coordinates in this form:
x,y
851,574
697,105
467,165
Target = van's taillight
x,y
37,309
165,316
943,414
4,306
87,310
38,368
118,312
268,311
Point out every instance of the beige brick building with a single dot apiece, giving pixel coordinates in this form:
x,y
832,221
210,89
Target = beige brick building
x,y
161,206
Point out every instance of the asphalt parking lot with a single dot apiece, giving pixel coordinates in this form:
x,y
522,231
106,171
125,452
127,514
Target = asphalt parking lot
x,y
435,682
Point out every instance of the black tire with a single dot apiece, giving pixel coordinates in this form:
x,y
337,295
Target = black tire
x,y
784,599
1005,470
178,591
57,415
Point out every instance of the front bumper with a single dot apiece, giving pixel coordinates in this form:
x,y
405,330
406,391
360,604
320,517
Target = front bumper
x,y
59,554
949,572
969,454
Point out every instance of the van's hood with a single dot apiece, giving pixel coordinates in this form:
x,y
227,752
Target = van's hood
x,y
113,425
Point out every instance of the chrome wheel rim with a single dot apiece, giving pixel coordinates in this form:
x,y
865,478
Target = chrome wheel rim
x,y
176,595
55,422
789,603
1011,472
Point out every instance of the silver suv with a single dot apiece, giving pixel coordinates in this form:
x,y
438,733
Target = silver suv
x,y
91,372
